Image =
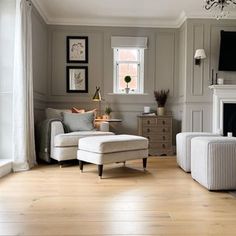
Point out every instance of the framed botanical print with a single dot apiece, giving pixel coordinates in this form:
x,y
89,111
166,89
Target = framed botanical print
x,y
77,49
77,79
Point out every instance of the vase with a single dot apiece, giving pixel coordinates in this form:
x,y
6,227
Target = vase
x,y
161,111
127,90
106,117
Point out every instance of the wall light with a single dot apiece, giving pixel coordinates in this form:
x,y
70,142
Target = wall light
x,y
199,55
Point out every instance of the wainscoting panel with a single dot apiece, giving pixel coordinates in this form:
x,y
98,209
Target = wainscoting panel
x,y
165,61
197,120
198,70
197,117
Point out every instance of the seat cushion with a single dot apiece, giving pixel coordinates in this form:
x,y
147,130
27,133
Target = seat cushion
x,y
71,139
113,143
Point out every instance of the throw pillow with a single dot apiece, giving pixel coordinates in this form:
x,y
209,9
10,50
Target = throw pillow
x,y
76,110
79,121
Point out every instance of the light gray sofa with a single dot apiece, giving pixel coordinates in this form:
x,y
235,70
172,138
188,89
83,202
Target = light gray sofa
x,y
64,146
58,139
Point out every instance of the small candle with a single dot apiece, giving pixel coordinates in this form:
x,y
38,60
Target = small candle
x,y
230,134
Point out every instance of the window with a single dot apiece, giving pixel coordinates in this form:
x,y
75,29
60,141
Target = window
x,y
128,61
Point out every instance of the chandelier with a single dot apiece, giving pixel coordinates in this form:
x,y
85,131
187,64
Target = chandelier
x,y
219,7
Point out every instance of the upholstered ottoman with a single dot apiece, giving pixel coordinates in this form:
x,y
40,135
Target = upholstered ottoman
x,y
183,148
115,148
213,162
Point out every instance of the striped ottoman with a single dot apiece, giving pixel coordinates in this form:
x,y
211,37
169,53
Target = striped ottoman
x,y
213,162
183,148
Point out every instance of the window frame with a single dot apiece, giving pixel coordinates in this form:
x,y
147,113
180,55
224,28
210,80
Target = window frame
x,y
140,68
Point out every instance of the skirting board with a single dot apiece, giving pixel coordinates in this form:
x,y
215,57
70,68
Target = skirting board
x,y
5,167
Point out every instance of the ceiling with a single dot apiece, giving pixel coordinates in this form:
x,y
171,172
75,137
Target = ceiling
x,y
145,13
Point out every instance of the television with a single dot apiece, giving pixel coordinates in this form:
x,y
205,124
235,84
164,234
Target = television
x,y
227,60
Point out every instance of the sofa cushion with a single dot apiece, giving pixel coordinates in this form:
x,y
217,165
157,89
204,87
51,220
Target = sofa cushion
x,y
71,139
114,143
79,121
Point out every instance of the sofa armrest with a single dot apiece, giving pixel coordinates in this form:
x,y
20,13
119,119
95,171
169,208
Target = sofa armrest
x,y
56,128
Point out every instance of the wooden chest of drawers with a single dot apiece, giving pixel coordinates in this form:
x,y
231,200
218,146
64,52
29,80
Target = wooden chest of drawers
x,y
158,129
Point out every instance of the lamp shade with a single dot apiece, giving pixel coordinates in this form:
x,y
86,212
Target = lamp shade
x,y
97,95
200,54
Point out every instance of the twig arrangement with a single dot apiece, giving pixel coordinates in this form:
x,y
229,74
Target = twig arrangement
x,y
161,97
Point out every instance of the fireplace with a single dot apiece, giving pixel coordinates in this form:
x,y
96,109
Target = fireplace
x,y
229,118
224,109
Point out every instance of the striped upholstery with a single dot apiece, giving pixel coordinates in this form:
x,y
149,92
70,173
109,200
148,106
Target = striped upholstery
x,y
213,162
183,148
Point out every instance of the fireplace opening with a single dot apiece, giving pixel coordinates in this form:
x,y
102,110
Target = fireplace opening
x,y
229,119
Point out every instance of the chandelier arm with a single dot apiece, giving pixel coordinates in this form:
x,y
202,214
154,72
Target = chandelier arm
x,y
208,7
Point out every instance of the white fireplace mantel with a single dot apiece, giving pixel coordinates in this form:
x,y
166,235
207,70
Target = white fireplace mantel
x,y
221,94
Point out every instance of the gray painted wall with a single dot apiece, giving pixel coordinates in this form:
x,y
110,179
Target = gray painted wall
x,y
169,64
161,70
40,63
197,102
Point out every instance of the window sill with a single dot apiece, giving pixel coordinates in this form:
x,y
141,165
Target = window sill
x,y
129,94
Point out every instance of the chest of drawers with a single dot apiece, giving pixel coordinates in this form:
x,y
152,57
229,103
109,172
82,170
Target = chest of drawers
x,y
158,129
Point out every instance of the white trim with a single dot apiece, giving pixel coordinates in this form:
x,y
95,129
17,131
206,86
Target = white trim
x,y
124,21
140,70
221,94
41,11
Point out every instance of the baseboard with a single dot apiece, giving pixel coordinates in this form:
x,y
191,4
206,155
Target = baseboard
x,y
5,167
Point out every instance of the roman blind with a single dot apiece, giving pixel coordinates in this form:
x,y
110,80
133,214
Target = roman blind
x,y
129,42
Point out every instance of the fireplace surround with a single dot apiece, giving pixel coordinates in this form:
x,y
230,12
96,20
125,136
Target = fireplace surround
x,y
224,109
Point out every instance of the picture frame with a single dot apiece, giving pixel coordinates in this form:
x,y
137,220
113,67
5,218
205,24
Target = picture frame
x,y
77,49
77,79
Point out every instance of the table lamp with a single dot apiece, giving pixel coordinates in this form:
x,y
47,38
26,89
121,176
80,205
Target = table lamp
x,y
98,98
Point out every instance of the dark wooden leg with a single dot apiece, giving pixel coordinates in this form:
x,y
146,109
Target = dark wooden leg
x,y
100,169
81,165
144,163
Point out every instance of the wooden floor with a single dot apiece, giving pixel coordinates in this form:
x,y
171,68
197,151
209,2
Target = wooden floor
x,y
163,201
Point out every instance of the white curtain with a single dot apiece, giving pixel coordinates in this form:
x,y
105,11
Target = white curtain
x,y
7,31
23,117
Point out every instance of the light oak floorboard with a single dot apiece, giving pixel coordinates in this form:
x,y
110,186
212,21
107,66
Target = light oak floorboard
x,y
164,200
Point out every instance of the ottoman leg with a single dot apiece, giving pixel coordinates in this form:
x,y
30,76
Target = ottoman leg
x,y
100,169
81,165
144,163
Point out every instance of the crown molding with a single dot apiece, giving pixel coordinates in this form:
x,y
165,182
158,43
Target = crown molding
x,y
41,11
123,22
116,22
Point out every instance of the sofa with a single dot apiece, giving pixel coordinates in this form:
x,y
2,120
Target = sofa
x,y
59,133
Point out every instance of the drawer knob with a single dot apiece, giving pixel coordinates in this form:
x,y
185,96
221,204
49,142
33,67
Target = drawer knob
x,y
163,145
148,130
164,137
148,137
164,130
148,122
163,122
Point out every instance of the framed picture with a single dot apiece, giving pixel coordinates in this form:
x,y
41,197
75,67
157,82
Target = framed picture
x,y
77,79
77,49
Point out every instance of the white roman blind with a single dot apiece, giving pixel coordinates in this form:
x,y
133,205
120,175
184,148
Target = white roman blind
x,y
129,42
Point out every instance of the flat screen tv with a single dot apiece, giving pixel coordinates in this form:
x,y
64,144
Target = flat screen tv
x,y
227,60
